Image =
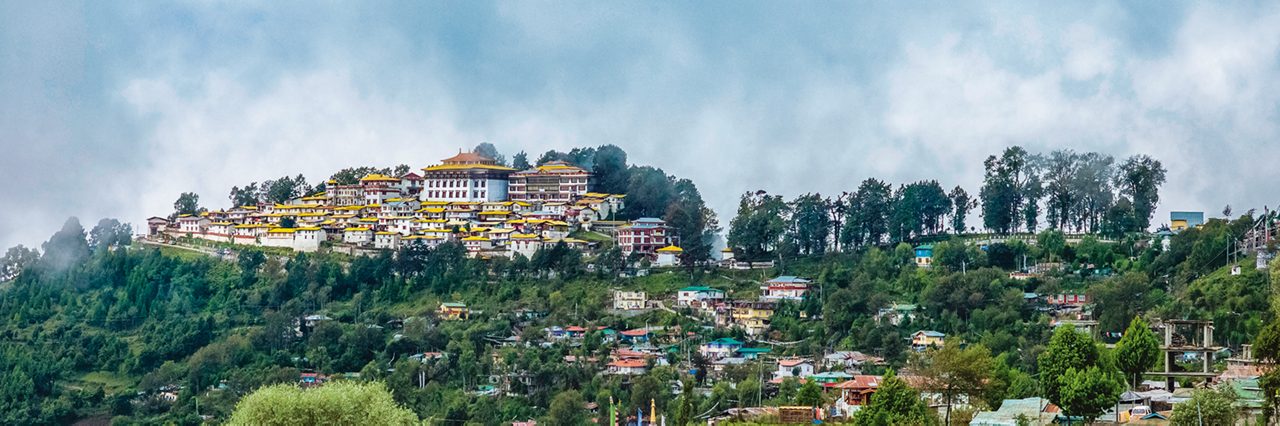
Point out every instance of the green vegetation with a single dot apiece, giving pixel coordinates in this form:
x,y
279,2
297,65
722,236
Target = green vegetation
x,y
95,326
343,403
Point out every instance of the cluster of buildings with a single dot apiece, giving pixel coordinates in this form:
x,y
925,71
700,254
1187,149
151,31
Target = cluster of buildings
x,y
491,209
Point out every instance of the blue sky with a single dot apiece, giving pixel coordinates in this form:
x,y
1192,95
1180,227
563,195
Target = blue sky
x,y
112,109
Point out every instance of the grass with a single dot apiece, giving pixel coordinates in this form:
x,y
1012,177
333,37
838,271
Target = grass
x,y
109,381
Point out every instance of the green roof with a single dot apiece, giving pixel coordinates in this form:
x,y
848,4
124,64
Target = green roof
x,y
754,350
699,288
726,341
454,304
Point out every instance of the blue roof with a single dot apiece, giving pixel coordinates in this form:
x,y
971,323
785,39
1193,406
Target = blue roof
x,y
754,350
931,333
700,288
1187,216
789,279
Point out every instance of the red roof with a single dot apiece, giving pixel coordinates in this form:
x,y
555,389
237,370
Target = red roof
x,y
629,363
792,362
574,328
859,382
636,333
468,158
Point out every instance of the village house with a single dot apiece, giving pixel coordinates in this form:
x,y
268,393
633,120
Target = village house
x,y
453,311
857,391
924,255
698,296
629,300
793,367
720,348
895,313
926,338
357,235
643,236
387,240
628,366
785,287
752,316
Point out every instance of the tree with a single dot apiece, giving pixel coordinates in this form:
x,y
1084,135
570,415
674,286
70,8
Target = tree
x,y
953,372
1003,192
810,394
869,211
520,161
684,413
1137,350
693,223
247,196
188,203
758,228
1052,241
1088,392
809,224
489,151
895,403
15,260
649,192
110,233
567,409
610,170
1140,179
961,203
1067,350
334,403
66,247
1207,407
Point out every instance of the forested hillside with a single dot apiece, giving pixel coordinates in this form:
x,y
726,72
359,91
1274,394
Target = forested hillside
x,y
95,326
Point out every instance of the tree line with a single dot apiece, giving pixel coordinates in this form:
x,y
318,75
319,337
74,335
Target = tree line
x,y
1071,191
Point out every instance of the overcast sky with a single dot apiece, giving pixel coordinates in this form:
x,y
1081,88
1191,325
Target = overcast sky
x,y
113,108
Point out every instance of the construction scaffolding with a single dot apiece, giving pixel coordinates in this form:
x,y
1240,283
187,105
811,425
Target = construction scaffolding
x,y
1260,239
1183,337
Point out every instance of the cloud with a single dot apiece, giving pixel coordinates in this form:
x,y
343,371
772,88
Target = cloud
x,y
112,110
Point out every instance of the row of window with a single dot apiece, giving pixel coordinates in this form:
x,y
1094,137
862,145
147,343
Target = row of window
x,y
456,183
454,194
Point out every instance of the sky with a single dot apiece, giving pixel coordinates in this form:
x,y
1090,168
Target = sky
x,y
111,109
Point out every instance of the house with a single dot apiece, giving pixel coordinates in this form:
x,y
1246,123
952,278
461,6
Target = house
x,y
849,360
1014,412
387,240
830,378
156,225
638,335
895,313
793,367
357,235
698,296
453,311
644,237
785,287
720,348
188,224
924,255
1067,300
378,188
752,353
857,390
629,300
1180,221
628,366
925,338
753,317
668,256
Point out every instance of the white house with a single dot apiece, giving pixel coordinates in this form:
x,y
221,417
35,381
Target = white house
x,y
631,366
789,367
386,240
357,235
628,300
668,256
698,296
784,287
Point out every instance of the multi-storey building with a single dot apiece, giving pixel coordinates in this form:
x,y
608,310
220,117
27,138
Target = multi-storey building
x,y
378,188
466,177
343,195
644,236
555,181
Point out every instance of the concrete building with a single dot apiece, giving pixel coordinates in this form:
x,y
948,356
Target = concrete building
x,y
555,181
467,177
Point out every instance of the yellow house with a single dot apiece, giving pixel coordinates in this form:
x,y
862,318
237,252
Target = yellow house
x,y
926,338
1179,221
453,311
